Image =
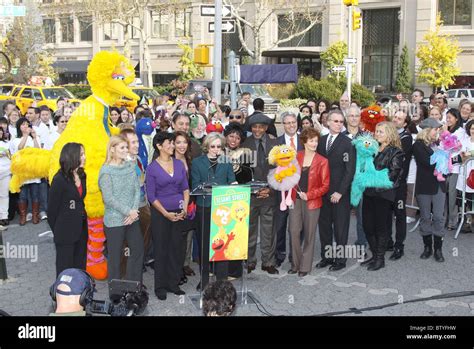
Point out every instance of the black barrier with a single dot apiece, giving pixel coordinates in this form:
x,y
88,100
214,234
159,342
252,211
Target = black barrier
x,y
3,264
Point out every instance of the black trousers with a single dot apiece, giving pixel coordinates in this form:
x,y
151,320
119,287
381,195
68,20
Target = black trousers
x,y
400,212
280,225
334,222
220,269
168,248
72,255
375,211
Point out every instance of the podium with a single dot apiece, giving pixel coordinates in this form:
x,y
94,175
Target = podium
x,y
244,295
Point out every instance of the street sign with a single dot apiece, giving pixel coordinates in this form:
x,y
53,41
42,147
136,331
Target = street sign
x,y
350,60
210,11
228,27
339,68
12,11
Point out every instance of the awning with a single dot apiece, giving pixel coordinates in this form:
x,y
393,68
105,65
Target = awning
x,y
72,66
293,52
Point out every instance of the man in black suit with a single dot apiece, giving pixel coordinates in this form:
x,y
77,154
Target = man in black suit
x,y
290,138
262,204
336,210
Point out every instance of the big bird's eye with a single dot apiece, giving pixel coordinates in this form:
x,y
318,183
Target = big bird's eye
x,y
284,151
118,77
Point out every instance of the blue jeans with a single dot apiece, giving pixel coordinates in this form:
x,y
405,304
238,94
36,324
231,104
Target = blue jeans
x,y
43,195
361,239
32,189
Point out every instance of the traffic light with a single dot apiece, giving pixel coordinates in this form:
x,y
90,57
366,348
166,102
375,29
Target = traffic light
x,y
351,2
201,55
356,20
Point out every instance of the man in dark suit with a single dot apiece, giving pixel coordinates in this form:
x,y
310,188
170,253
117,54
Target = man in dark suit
x,y
336,210
290,138
262,205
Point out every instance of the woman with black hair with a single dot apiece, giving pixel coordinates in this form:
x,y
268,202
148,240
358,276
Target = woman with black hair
x,y
66,210
27,138
240,157
60,121
115,116
167,191
454,126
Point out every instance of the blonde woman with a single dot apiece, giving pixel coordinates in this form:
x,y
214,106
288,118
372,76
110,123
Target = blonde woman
x,y
377,203
430,194
120,188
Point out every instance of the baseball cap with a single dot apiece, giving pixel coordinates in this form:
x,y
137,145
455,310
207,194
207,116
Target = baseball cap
x,y
430,123
77,280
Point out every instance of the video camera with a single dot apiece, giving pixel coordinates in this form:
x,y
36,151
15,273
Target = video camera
x,y
127,298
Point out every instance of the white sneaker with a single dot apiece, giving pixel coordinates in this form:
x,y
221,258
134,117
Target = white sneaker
x,y
410,220
29,217
3,228
43,215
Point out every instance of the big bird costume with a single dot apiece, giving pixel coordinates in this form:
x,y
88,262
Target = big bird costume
x,y
109,75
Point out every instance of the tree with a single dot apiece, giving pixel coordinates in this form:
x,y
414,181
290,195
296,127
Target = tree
x,y
26,48
403,82
189,69
299,17
334,56
438,57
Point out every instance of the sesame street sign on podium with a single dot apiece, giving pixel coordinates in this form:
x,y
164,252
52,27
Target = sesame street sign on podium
x,y
230,212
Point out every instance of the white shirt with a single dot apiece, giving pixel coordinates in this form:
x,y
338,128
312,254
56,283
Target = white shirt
x,y
467,146
14,143
288,140
460,133
43,133
4,159
12,131
53,137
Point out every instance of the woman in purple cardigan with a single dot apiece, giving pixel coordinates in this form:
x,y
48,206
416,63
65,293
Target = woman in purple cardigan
x,y
168,193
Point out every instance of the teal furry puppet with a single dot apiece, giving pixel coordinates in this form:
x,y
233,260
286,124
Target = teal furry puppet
x,y
366,176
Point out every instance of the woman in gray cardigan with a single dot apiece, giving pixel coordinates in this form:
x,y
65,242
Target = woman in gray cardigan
x,y
120,189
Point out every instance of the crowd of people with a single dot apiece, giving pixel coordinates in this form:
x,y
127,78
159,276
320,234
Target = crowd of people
x,y
149,218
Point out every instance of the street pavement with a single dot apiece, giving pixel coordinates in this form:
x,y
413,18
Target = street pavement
x,y
26,292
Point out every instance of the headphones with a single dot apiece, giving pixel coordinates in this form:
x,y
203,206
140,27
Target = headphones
x,y
86,295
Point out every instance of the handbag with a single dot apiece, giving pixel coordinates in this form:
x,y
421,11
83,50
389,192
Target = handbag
x,y
470,179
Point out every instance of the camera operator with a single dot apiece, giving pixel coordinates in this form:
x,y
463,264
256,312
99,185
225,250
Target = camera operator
x,y
72,291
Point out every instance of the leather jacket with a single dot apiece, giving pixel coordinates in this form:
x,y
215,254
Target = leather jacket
x,y
391,158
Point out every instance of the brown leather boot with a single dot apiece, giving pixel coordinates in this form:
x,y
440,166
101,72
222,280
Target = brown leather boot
x,y
35,208
22,207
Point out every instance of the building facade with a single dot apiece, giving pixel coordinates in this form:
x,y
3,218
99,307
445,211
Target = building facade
x,y
386,26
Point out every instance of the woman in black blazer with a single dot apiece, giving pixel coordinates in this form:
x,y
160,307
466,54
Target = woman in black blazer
x,y
66,210
430,194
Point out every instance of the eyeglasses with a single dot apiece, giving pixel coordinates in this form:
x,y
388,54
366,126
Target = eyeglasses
x,y
290,123
215,146
63,122
338,121
238,117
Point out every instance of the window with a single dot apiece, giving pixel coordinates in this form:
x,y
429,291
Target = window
x,y
67,29
452,94
455,12
182,23
26,93
85,25
160,24
111,31
49,26
287,27
37,95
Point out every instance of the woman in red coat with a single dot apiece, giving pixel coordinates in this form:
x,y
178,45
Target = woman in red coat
x,y
307,196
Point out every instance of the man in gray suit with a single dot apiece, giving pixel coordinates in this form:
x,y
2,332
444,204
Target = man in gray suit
x,y
262,205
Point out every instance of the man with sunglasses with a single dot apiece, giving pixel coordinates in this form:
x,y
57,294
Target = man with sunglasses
x,y
236,116
336,210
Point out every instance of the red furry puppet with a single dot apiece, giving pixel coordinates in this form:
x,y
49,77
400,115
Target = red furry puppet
x,y
370,117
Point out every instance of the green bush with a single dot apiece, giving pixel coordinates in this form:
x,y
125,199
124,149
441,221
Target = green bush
x,y
163,88
308,87
331,90
291,103
80,91
362,96
281,91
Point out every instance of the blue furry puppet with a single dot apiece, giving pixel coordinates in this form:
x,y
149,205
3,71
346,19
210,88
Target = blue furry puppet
x,y
366,176
145,126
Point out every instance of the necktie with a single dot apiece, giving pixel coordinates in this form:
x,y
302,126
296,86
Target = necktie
x,y
292,143
329,144
260,154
